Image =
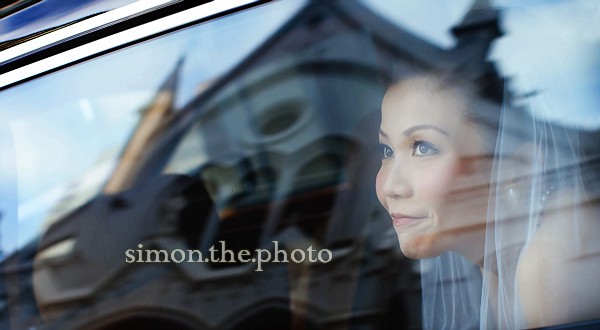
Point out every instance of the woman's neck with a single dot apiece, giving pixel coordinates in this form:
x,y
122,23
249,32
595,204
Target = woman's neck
x,y
472,246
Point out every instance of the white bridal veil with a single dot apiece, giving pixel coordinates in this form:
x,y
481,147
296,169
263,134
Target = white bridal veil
x,y
537,182
541,198
541,225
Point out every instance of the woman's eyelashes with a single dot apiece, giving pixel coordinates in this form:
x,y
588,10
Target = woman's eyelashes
x,y
422,148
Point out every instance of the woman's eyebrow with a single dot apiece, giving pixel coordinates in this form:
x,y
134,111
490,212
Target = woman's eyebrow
x,y
382,133
411,130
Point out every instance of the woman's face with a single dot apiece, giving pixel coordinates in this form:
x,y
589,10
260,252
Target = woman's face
x,y
431,181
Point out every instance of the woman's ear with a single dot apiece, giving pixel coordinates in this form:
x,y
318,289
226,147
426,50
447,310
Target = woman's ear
x,y
524,162
528,156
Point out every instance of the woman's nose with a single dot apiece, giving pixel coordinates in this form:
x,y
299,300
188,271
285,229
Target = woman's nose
x,y
397,183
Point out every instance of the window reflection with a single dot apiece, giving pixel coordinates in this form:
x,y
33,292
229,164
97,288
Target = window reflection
x,y
257,127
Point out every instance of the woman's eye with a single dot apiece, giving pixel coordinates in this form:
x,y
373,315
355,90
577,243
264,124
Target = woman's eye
x,y
386,151
422,148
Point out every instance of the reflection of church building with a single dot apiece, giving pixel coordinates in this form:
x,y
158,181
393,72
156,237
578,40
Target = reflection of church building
x,y
284,146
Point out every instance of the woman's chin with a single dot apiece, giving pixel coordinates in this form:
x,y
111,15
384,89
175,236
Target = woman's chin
x,y
418,248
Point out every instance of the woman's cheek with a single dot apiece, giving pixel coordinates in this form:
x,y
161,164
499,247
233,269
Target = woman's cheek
x,y
437,179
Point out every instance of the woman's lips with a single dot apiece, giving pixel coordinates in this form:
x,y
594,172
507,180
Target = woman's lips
x,y
399,219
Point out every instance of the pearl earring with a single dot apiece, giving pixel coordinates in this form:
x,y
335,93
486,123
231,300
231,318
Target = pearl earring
x,y
512,194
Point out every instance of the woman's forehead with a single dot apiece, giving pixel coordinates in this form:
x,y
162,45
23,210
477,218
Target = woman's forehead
x,y
410,103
